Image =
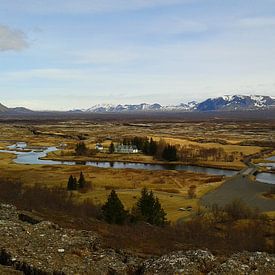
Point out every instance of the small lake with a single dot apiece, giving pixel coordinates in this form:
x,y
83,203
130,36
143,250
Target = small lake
x,y
34,157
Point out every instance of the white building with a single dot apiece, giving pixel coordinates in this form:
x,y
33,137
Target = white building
x,y
99,147
126,149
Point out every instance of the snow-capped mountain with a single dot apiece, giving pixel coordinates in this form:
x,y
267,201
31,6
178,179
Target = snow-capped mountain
x,y
103,108
226,103
236,102
120,108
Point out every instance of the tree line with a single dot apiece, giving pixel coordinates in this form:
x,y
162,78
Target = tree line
x,y
198,153
161,150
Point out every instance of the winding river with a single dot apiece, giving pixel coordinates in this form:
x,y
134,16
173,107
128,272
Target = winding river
x,y
33,156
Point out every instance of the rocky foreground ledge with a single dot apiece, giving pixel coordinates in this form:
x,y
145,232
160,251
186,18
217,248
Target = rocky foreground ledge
x,y
32,246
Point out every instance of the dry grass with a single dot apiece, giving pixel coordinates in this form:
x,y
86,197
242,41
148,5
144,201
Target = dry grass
x,y
170,186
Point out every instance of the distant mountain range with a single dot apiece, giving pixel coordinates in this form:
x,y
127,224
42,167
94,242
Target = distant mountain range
x,y
224,103
16,110
139,107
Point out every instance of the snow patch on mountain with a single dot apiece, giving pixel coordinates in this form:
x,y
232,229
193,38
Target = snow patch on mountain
x,y
226,102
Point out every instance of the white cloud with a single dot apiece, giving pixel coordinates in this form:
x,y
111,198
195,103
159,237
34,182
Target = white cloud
x,y
11,39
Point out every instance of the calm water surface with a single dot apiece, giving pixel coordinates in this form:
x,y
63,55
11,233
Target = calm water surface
x,y
34,157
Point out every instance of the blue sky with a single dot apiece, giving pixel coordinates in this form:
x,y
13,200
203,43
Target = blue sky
x,y
76,53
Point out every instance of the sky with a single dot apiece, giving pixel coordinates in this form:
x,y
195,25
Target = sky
x,y
67,54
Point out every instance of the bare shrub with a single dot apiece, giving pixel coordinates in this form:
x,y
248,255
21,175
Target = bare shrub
x,y
237,209
44,199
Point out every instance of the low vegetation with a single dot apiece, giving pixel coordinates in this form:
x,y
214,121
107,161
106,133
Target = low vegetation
x,y
44,188
235,227
271,193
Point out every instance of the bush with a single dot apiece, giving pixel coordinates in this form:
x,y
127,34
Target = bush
x,y
239,210
46,200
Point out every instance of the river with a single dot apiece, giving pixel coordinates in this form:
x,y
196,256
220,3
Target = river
x,y
34,157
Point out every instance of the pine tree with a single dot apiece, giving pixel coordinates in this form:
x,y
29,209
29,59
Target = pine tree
x,y
170,153
152,147
70,185
113,210
158,214
81,149
81,181
149,209
111,148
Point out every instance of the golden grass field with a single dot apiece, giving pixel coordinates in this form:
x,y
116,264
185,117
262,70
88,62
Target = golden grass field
x,y
170,186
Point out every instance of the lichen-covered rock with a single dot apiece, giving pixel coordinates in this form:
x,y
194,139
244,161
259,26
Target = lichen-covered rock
x,y
46,247
195,262
189,262
247,263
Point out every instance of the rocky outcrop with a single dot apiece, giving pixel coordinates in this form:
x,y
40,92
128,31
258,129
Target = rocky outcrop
x,y
189,262
203,262
29,245
45,248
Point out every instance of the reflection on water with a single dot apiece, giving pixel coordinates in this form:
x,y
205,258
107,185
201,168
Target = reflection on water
x,y
34,157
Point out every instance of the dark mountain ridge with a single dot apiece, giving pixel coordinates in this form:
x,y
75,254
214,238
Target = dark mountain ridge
x,y
224,103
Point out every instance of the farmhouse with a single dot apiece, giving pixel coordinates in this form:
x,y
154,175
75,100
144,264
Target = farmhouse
x,y
126,149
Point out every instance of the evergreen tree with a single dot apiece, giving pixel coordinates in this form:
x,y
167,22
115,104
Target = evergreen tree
x,y
146,147
158,214
152,147
111,148
70,185
170,153
81,149
113,210
81,181
149,208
